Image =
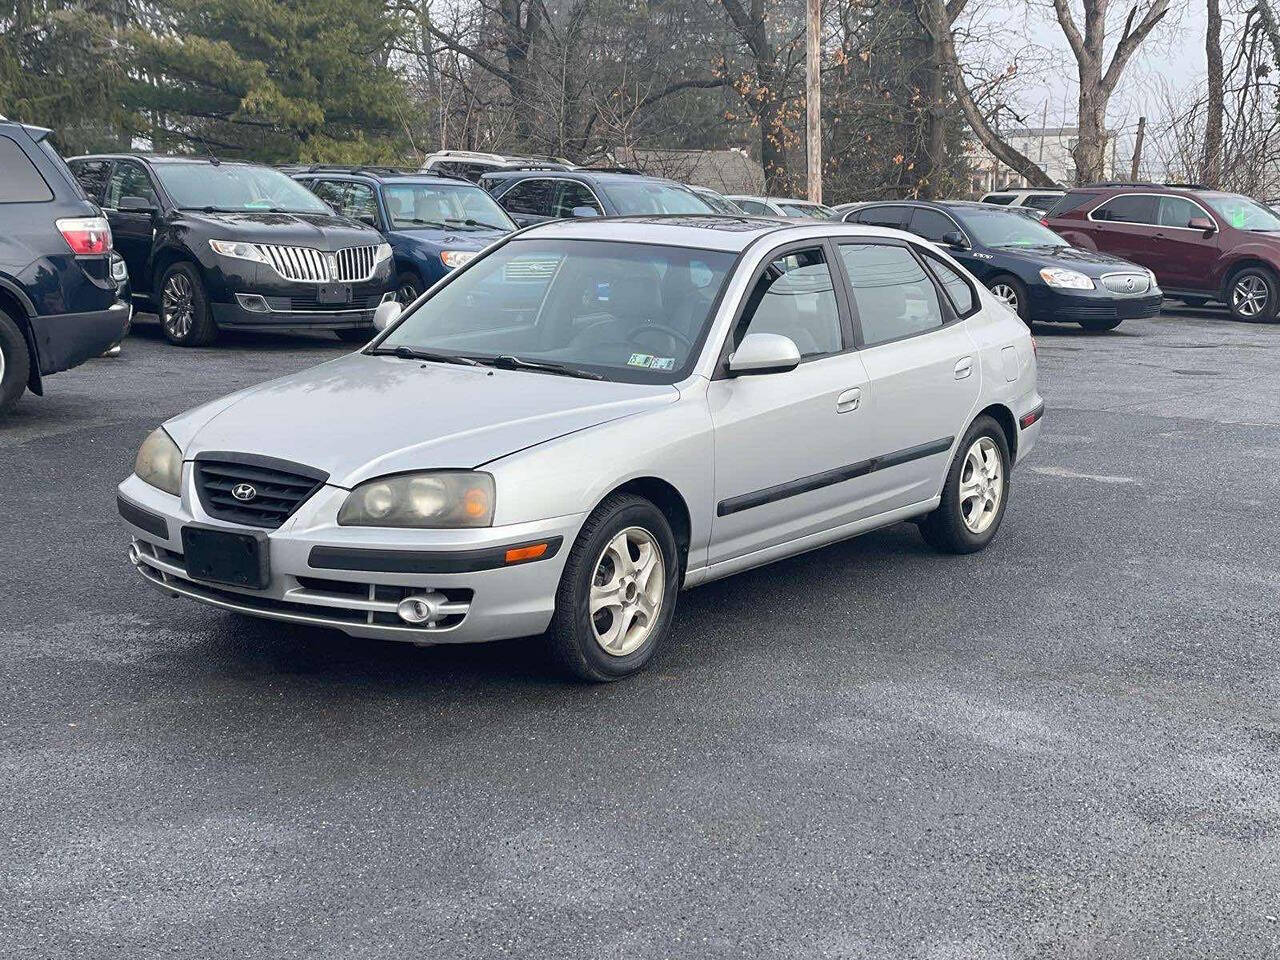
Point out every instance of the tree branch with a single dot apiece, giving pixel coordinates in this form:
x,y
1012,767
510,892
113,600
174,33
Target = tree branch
x,y
1130,39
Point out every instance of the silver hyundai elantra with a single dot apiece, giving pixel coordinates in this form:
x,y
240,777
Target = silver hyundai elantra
x,y
588,418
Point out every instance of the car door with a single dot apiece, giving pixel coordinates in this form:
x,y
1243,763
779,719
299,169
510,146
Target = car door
x,y
531,200
1186,255
1124,226
921,365
788,446
133,230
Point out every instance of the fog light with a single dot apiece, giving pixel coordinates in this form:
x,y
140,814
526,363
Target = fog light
x,y
388,296
253,302
421,608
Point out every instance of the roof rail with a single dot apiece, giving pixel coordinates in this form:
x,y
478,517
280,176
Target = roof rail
x,y
343,168
630,170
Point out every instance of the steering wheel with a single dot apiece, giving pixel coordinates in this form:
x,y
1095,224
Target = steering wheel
x,y
655,327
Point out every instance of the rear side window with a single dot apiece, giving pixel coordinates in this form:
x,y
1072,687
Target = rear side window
x,y
1072,201
1041,201
1001,199
1128,208
20,181
534,197
894,296
963,300
895,217
755,207
92,176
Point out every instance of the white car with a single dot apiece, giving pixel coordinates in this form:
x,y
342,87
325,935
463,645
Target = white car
x,y
590,417
784,207
1040,200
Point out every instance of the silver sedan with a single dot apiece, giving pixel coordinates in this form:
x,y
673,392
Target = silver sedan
x,y
588,418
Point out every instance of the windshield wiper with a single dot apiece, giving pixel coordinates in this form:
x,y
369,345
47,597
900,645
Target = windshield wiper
x,y
477,223
421,223
507,361
409,353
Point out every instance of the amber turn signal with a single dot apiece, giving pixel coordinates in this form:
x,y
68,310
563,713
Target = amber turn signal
x,y
521,554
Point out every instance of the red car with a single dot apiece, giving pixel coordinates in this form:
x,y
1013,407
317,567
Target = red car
x,y
1201,244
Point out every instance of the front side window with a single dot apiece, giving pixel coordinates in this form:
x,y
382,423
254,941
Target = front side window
x,y
1177,212
795,297
129,180
931,224
1243,213
235,188
1128,208
754,207
894,296
626,311
1006,229
648,196
454,205
92,176
361,203
1041,201
533,197
573,195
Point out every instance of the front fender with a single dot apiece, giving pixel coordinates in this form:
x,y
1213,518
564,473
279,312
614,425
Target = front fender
x,y
1250,251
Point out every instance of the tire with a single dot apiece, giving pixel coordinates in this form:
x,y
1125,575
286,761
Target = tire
x,y
1194,302
1100,326
181,286
574,635
947,528
1013,292
15,362
361,335
1253,294
408,288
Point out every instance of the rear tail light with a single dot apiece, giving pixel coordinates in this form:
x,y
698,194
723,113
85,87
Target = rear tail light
x,y
86,236
1044,221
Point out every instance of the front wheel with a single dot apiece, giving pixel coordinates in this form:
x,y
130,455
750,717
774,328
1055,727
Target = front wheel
x,y
975,492
356,334
1254,295
15,362
1011,291
1100,326
184,307
617,593
408,288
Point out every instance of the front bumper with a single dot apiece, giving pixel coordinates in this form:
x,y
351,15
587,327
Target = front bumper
x,y
66,340
277,313
1049,305
312,580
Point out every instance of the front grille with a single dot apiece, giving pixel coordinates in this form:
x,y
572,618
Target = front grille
x,y
1127,284
307,265
278,487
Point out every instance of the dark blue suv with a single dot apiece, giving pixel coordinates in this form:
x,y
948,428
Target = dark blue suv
x,y
59,302
433,223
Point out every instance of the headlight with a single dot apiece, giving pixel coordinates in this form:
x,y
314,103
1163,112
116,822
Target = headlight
x,y
1070,279
237,250
456,258
382,253
159,462
446,498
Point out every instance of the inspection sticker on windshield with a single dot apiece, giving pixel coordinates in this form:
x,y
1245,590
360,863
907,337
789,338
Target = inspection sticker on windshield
x,y
651,362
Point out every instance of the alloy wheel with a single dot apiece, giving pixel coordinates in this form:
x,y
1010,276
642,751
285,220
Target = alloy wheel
x,y
176,300
981,485
627,591
2,363
1006,295
1249,295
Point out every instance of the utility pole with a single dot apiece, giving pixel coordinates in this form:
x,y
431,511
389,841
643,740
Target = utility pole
x,y
1137,149
813,99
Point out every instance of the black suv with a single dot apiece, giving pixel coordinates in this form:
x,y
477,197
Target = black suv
x,y
221,244
59,303
533,196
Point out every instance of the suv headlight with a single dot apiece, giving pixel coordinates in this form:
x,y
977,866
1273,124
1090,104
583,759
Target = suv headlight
x,y
382,253
443,498
159,462
456,258
1070,279
237,250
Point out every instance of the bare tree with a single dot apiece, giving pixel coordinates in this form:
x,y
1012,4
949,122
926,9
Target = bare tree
x,y
1211,164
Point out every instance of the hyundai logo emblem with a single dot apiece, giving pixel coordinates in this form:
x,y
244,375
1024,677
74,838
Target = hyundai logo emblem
x,y
244,492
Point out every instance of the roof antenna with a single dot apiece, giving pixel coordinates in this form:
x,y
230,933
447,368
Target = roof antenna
x,y
213,158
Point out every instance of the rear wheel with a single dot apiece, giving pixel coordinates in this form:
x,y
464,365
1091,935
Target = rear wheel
x,y
618,591
184,307
15,362
1011,291
1254,294
1195,302
975,493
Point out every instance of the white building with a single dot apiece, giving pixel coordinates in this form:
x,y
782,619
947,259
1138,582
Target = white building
x,y
1049,147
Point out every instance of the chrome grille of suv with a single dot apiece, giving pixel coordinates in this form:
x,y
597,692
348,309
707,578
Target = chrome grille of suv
x,y
307,265
278,487
1128,284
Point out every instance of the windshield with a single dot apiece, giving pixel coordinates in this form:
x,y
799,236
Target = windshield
x,y
1241,212
1004,228
653,196
627,311
792,209
236,187
458,206
720,203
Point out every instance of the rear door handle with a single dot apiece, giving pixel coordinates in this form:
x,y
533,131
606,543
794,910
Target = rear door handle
x,y
849,400
964,367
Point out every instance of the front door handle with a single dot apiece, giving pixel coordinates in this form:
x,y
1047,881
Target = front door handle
x,y
849,400
964,367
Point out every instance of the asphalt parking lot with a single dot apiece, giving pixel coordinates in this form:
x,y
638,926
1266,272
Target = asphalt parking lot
x,y
1066,746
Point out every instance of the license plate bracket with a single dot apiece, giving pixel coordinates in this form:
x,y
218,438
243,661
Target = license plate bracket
x,y
333,294
226,556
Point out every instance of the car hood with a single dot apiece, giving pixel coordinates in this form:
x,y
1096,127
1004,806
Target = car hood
x,y
1091,263
363,416
318,230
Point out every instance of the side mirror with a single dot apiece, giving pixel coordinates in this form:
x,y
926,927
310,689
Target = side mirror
x,y
585,211
1202,223
956,240
386,314
136,205
764,353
